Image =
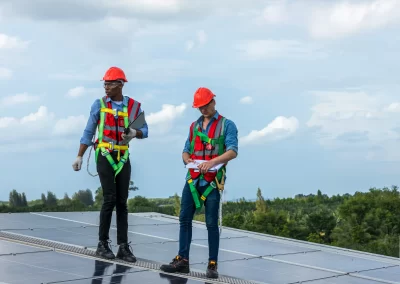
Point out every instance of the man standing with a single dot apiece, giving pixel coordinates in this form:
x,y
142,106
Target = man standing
x,y
212,138
112,115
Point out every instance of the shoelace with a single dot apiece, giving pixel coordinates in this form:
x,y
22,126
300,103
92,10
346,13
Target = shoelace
x,y
212,265
106,245
127,248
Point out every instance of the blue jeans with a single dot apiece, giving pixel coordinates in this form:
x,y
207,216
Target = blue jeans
x,y
188,209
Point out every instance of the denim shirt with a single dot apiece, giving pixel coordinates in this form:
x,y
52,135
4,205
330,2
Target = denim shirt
x,y
94,117
231,138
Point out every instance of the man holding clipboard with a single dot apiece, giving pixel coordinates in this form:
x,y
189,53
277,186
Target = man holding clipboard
x,y
212,142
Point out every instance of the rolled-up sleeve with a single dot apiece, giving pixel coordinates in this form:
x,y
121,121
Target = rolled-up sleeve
x,y
231,136
144,128
91,125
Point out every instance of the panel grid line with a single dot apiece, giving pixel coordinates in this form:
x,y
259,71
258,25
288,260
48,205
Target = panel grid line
x,y
142,263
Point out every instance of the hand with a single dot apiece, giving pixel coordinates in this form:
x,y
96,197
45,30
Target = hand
x,y
204,167
128,137
77,164
189,160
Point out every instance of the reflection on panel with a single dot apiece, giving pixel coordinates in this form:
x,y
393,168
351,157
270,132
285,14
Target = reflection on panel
x,y
390,273
52,266
269,271
333,261
7,248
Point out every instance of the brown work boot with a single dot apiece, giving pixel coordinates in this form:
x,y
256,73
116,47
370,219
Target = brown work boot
x,y
178,264
212,271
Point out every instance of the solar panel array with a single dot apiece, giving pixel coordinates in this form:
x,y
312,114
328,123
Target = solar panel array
x,y
58,247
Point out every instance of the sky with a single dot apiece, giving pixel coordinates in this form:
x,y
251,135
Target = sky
x,y
312,86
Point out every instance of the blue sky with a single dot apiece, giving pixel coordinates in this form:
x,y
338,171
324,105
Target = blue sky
x,y
311,85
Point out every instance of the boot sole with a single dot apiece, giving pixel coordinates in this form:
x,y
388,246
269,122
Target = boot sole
x,y
121,258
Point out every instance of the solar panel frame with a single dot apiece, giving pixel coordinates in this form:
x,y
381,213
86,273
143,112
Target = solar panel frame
x,y
155,237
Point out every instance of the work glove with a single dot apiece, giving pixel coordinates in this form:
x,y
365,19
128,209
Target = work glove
x,y
128,137
77,164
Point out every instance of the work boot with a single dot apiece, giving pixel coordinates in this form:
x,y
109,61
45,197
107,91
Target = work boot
x,y
125,253
212,269
103,250
178,264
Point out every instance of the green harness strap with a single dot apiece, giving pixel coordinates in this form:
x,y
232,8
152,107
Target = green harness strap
x,y
199,200
117,167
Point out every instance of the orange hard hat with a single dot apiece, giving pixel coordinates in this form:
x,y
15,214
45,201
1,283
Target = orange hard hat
x,y
202,97
113,74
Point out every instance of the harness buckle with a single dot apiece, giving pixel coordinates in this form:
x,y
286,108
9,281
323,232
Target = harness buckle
x,y
111,145
115,112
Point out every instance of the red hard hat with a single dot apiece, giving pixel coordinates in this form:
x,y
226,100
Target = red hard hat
x,y
202,97
114,73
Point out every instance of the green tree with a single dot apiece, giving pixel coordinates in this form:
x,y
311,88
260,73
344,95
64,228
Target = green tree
x,y
261,206
84,196
51,199
177,204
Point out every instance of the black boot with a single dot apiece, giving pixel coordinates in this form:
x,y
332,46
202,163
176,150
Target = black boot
x,y
103,250
125,253
212,271
178,264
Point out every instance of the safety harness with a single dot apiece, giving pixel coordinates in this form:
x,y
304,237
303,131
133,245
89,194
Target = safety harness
x,y
216,142
105,142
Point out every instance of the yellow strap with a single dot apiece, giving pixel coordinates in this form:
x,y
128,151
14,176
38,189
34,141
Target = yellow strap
x,y
221,186
120,113
115,147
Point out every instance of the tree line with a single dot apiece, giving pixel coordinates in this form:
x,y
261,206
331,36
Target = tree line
x,y
366,221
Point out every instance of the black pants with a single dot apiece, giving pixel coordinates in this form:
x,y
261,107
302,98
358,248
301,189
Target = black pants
x,y
115,195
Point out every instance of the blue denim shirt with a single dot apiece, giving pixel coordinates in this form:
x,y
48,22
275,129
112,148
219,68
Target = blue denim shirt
x,y
95,116
231,137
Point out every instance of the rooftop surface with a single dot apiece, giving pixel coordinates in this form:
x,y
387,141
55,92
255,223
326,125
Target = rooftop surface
x,y
58,247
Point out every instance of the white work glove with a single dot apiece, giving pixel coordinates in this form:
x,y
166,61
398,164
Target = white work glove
x,y
128,137
77,164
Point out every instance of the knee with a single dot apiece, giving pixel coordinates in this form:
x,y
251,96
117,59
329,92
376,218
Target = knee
x,y
122,205
109,201
212,221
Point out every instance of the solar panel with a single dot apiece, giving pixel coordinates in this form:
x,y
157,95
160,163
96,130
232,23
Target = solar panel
x,y
58,247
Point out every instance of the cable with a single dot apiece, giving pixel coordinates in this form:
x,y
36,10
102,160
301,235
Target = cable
x,y
90,151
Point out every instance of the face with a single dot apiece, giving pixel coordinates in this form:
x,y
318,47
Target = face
x,y
208,110
113,88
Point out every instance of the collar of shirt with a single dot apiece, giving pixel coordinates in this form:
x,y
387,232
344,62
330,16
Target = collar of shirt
x,y
201,118
124,100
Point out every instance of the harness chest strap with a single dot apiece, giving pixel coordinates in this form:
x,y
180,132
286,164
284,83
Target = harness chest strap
x,y
220,177
103,145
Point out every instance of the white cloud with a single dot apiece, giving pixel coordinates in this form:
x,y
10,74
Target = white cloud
x,y
357,120
161,122
201,37
18,99
42,115
393,107
10,42
69,125
33,126
280,128
7,121
41,125
76,92
344,18
81,91
5,73
189,45
275,13
267,49
246,100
